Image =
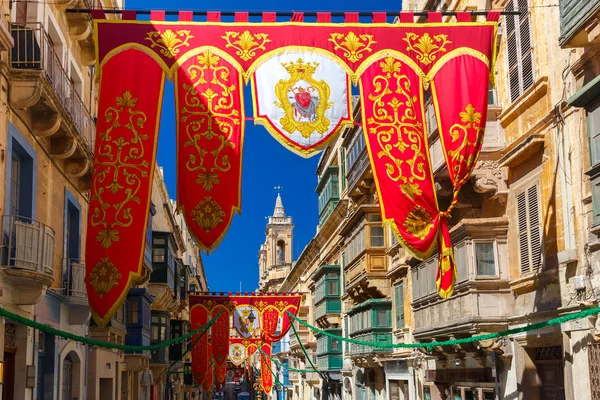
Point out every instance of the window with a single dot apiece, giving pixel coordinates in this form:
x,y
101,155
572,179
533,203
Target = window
x,y
460,260
530,231
382,318
376,236
332,287
134,312
356,242
355,149
15,183
399,304
20,177
335,344
593,121
158,255
519,49
346,332
485,258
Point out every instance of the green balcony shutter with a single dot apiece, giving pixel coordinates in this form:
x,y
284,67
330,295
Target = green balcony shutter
x,y
399,305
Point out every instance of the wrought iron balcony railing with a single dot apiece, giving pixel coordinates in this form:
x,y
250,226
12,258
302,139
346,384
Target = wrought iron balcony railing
x,y
34,50
27,244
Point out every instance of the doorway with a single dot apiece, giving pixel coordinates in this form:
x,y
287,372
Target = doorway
x,y
8,388
549,365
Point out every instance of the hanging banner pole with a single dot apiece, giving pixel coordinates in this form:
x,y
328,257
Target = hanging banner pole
x,y
394,13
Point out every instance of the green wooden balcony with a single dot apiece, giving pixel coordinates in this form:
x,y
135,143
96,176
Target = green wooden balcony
x,y
576,21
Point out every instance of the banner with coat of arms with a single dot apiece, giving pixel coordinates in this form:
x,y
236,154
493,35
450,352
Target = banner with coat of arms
x,y
300,73
303,99
256,319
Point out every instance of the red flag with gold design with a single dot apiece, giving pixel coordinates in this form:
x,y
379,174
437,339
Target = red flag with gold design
x,y
201,358
127,134
210,138
461,123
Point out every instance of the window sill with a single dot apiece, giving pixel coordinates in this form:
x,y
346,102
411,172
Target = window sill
x,y
525,101
531,282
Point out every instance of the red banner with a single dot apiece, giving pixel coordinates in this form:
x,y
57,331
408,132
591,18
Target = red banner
x,y
220,341
210,138
394,63
461,123
125,152
201,358
209,379
265,369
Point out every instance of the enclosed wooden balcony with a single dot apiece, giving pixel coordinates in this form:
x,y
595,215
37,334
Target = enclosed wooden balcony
x,y
482,300
579,23
27,258
44,94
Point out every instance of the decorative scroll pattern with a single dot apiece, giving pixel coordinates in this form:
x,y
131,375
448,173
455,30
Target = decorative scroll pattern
x,y
169,42
120,164
353,45
426,46
246,44
397,126
397,144
209,149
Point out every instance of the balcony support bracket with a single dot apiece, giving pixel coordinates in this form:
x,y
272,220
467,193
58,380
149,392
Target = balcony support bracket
x,y
45,124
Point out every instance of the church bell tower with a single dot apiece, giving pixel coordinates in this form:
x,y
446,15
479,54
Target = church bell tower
x,y
275,255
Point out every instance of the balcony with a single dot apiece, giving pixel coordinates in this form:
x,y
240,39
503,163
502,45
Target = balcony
x,y
41,87
579,23
115,330
370,322
75,292
27,258
160,333
139,301
359,177
329,351
482,299
357,350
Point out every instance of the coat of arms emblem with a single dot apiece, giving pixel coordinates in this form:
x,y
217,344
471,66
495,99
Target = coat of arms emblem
x,y
245,320
237,353
303,99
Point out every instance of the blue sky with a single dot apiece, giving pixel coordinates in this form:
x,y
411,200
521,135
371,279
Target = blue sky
x,y
266,163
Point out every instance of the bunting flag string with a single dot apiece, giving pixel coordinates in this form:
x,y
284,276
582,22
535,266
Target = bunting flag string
x,y
301,75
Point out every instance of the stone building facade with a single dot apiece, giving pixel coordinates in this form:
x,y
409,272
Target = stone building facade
x,y
524,233
48,108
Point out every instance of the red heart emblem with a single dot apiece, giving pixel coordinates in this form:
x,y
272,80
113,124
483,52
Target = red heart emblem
x,y
303,98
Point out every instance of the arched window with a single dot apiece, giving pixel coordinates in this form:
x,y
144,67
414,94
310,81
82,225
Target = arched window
x,y
280,252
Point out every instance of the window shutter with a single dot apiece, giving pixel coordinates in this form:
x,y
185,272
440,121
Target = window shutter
x,y
399,300
523,237
519,49
526,45
535,227
530,230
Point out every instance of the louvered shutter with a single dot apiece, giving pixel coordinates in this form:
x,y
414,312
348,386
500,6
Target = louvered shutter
x,y
530,230
535,228
526,46
523,236
519,49
399,300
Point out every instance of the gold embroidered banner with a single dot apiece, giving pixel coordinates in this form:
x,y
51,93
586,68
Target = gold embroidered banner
x,y
461,123
211,62
125,152
210,138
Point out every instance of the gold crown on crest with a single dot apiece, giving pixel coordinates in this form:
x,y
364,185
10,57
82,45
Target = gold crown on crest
x,y
300,66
